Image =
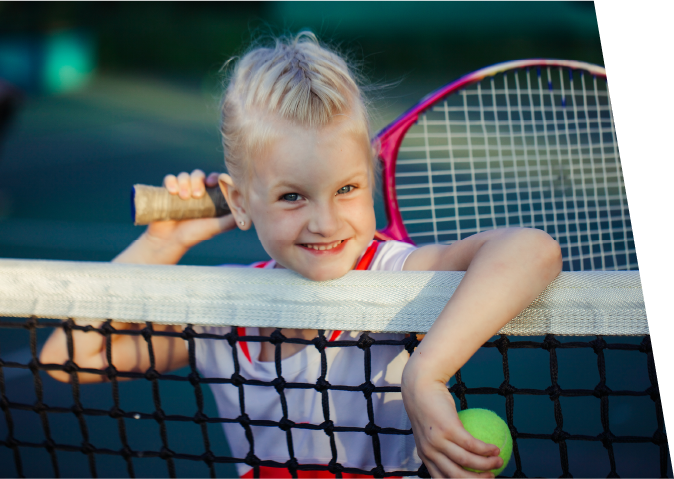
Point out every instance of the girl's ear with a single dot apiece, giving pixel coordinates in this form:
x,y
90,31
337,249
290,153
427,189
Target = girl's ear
x,y
235,200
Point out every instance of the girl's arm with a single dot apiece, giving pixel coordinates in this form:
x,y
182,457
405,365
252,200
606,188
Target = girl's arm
x,y
506,270
129,353
164,242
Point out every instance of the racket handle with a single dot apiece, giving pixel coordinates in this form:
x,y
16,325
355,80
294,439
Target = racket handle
x,y
155,203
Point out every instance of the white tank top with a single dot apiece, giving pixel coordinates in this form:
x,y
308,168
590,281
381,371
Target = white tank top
x,y
345,367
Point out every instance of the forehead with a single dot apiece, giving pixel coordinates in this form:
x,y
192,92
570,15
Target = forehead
x,y
327,153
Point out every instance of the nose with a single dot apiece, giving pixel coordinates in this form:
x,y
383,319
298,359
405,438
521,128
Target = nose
x,y
324,220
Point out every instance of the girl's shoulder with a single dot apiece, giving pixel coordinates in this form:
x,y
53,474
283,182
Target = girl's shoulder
x,y
391,255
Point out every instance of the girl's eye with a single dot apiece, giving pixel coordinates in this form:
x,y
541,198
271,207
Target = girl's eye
x,y
345,189
291,197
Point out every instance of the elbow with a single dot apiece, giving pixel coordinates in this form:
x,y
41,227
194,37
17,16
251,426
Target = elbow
x,y
49,358
533,251
61,376
545,253
552,256
63,372
55,361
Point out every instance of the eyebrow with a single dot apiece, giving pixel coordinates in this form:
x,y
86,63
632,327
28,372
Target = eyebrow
x,y
279,184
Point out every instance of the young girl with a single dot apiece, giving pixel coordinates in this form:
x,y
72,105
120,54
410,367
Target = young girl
x,y
301,169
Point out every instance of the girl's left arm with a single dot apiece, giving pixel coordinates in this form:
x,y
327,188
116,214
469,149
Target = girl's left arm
x,y
506,270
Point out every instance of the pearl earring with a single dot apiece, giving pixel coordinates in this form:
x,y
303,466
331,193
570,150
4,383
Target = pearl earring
x,y
242,222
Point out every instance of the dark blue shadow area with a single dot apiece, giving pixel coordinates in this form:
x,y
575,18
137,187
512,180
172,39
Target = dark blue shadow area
x,y
577,369
142,434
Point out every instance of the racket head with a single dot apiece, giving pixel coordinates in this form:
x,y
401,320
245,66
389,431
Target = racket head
x,y
528,143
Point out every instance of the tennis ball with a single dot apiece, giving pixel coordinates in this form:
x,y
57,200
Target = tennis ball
x,y
488,427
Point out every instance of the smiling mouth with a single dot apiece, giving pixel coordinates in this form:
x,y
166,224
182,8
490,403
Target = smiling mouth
x,y
322,246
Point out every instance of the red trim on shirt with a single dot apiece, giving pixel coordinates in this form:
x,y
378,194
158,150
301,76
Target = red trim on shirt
x,y
244,345
280,472
334,335
367,258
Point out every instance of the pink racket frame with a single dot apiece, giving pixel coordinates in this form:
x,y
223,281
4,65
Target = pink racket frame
x,y
388,140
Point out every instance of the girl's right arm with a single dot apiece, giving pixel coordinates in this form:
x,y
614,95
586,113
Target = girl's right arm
x,y
506,269
163,242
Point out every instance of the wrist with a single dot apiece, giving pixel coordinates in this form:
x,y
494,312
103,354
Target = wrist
x,y
150,249
423,371
163,250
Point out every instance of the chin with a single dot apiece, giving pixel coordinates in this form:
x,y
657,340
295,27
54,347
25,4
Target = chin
x,y
325,274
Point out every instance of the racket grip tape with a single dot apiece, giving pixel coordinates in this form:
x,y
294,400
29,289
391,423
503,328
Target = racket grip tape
x,y
155,203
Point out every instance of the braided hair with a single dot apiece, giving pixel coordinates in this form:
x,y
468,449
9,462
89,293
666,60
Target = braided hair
x,y
296,80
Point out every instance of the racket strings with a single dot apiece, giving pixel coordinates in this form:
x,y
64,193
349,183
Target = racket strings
x,y
525,148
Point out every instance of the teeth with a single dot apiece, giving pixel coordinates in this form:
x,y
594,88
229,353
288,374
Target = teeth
x,y
324,247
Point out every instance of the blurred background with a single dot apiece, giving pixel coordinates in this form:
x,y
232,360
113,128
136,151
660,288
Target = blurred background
x,y
112,94
95,97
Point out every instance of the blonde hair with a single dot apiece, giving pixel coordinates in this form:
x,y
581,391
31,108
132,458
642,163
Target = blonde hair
x,y
296,80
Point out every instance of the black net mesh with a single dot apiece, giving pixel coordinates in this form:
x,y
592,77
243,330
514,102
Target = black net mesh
x,y
559,462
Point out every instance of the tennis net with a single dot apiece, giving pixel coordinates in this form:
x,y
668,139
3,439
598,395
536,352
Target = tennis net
x,y
594,412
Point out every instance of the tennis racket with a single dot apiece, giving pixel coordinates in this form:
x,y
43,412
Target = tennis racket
x,y
527,143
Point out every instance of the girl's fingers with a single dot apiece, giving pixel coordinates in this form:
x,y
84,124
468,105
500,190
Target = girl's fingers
x,y
466,458
463,439
171,184
190,185
212,179
197,183
441,466
184,185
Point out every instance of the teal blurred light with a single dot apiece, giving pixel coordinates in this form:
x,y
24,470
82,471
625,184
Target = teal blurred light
x,y
69,61
52,63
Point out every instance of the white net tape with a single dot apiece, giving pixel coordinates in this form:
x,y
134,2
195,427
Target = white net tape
x,y
579,303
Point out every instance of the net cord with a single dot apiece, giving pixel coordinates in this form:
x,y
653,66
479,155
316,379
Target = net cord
x,y
578,303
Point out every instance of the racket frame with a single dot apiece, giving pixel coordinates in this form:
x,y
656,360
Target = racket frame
x,y
387,142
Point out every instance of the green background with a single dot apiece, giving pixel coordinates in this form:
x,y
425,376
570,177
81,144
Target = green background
x,y
149,88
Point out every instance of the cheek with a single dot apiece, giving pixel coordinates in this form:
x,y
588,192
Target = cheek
x,y
361,214
279,226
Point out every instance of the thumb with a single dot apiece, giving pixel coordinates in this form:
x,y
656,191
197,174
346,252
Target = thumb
x,y
220,224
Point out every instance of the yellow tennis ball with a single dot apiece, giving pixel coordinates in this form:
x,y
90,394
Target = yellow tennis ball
x,y
488,427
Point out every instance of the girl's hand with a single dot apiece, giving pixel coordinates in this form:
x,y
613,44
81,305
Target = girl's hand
x,y
165,242
187,233
443,444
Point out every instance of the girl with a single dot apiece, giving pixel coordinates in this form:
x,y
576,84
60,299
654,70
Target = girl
x,y
301,169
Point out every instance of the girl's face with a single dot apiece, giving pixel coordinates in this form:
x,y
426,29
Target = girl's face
x,y
310,198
